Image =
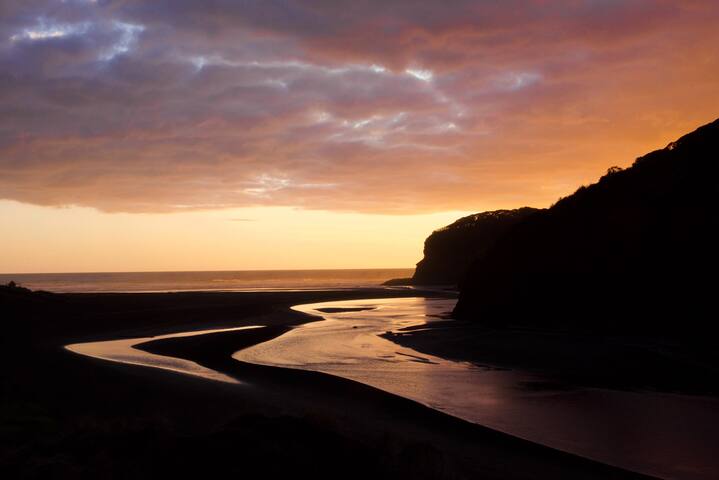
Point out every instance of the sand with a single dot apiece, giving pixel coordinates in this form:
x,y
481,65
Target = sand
x,y
66,415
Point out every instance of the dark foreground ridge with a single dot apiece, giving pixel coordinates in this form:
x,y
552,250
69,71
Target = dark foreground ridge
x,y
635,252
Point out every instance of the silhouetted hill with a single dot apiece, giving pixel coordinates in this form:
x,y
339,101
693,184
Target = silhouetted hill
x,y
16,299
636,249
450,250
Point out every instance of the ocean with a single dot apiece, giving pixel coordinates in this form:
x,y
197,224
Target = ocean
x,y
217,280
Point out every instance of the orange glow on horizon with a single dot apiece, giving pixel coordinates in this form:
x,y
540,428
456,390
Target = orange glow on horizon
x,y
47,240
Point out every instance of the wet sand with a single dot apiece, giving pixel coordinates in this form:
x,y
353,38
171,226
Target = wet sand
x,y
67,415
372,414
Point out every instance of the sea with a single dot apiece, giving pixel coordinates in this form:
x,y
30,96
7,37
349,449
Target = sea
x,y
234,281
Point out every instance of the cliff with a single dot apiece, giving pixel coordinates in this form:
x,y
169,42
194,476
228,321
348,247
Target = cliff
x,y
449,251
636,250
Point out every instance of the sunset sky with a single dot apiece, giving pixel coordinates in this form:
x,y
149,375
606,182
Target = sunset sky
x,y
193,135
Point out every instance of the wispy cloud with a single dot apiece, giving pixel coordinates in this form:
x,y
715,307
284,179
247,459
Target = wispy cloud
x,y
370,106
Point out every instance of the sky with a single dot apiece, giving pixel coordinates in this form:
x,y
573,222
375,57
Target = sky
x,y
218,134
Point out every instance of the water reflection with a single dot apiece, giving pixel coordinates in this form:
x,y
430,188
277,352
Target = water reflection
x,y
123,351
670,436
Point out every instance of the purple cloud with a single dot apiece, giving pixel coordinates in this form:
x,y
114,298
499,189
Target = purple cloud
x,y
364,106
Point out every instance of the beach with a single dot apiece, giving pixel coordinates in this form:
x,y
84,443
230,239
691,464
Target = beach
x,y
77,416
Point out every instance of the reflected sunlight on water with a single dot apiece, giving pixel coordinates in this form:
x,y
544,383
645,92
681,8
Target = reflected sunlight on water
x,y
666,435
123,351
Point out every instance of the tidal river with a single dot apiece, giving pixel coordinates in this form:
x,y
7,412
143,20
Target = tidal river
x,y
124,351
670,436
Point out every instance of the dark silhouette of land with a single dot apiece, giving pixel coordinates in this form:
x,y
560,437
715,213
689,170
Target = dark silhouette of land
x,y
450,250
634,252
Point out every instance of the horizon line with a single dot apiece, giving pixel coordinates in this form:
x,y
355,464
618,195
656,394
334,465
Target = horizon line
x,y
217,271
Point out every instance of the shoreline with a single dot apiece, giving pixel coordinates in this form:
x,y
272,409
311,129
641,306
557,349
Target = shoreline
x,y
211,280
622,363
395,436
548,406
383,410
95,316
